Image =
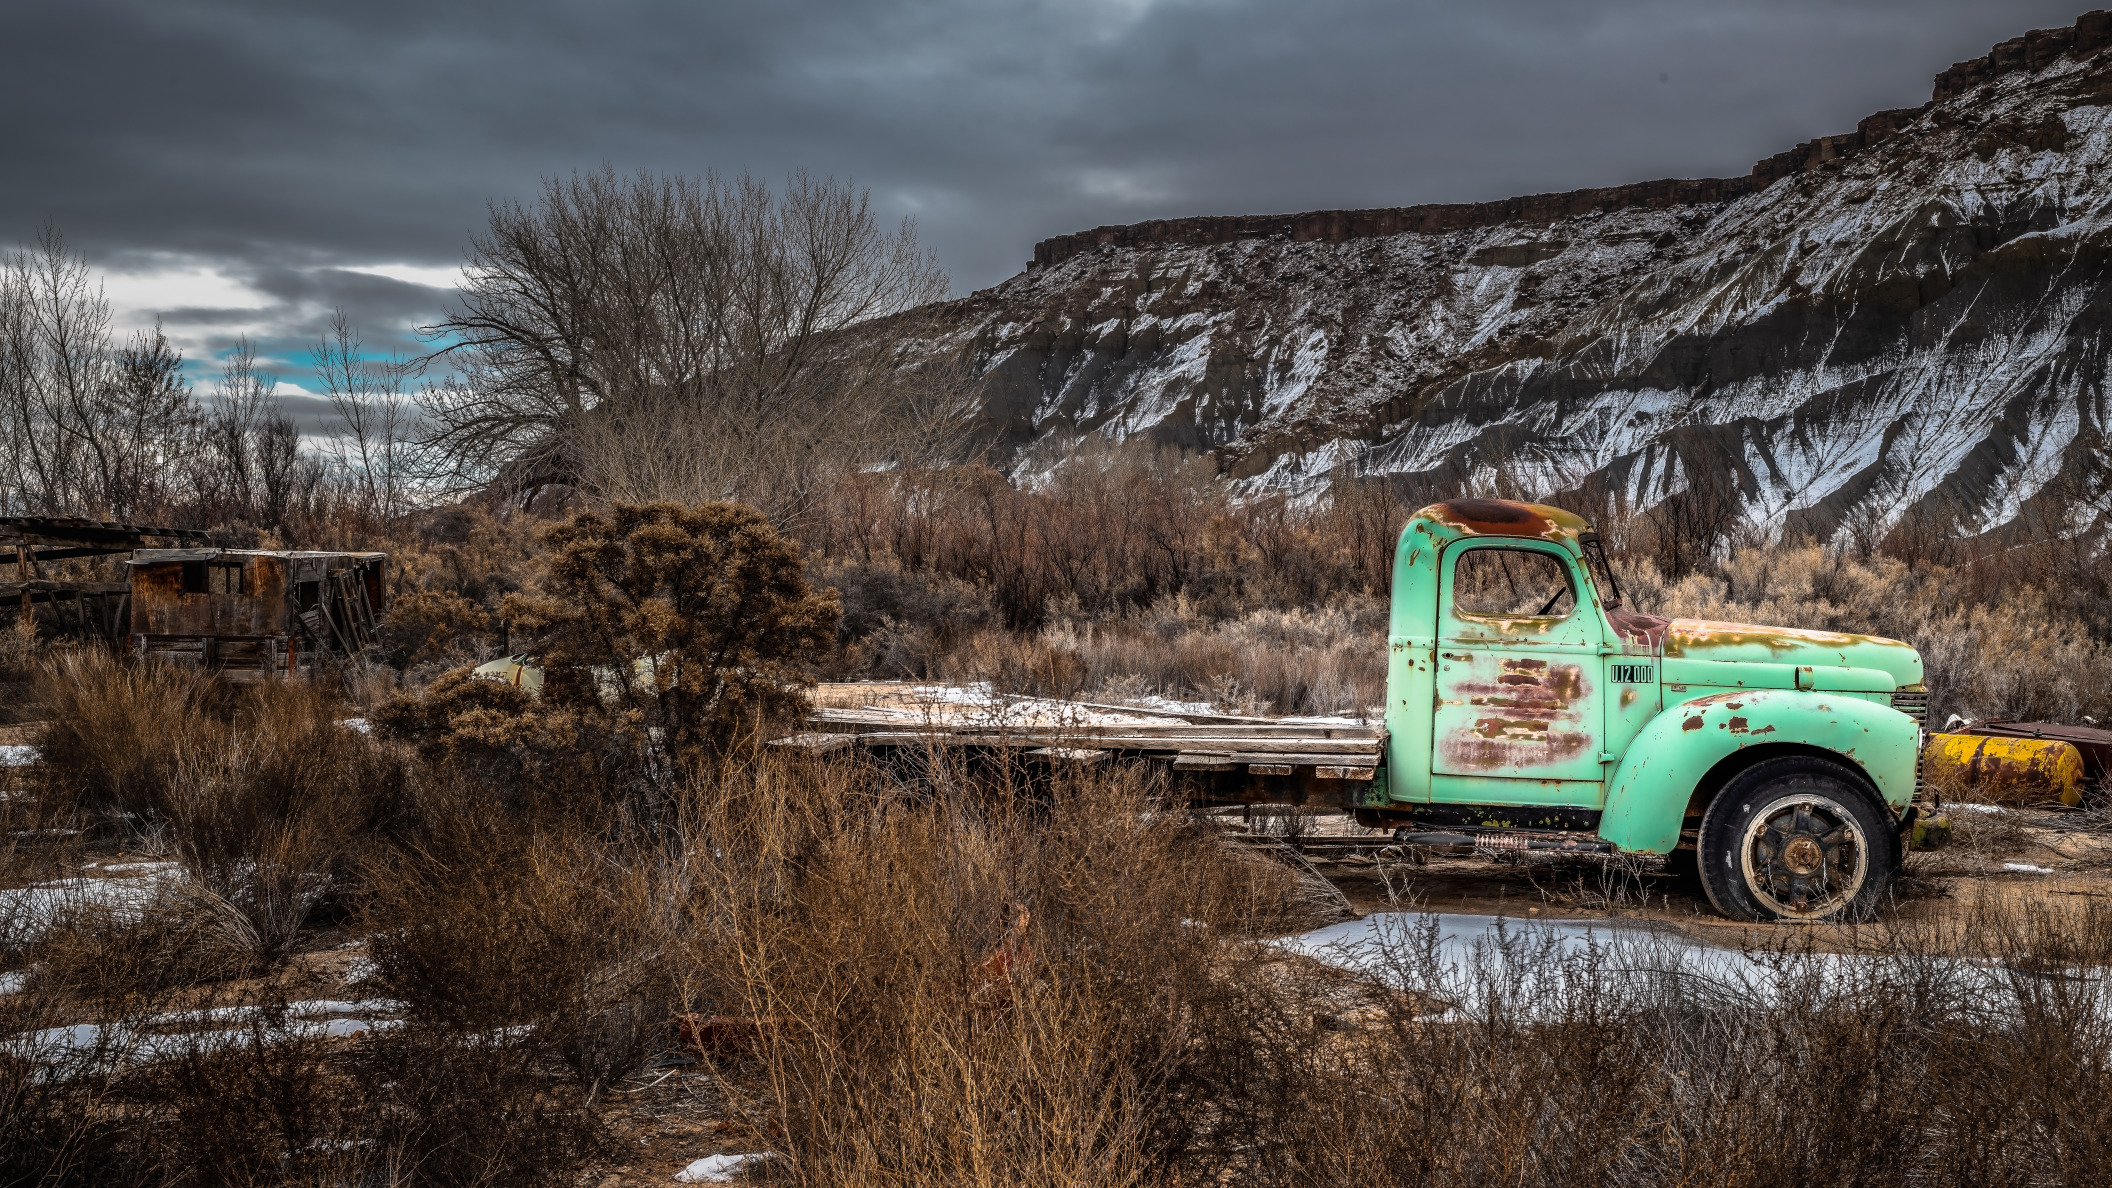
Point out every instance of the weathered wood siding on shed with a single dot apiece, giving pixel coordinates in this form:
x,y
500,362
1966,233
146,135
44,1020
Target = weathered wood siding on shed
x,y
160,607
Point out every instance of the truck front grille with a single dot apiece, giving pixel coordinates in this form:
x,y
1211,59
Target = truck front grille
x,y
1914,703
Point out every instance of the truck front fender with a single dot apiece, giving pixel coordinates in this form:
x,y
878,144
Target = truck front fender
x,y
1647,798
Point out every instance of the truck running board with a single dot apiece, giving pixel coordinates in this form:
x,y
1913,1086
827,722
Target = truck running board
x,y
1497,839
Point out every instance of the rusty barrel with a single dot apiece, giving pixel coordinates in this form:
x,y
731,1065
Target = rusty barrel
x,y
2000,770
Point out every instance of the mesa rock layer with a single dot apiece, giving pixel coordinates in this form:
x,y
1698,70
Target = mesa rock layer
x,y
1912,316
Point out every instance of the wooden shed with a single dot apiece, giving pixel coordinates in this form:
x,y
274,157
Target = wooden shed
x,y
254,614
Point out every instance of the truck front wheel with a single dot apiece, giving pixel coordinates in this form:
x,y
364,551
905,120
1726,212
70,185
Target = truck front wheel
x,y
1795,838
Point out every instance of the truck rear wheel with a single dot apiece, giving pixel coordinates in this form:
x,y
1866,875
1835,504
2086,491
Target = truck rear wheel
x,y
1796,838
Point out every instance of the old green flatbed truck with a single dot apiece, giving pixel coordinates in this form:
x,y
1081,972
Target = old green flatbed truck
x,y
1527,708
1521,694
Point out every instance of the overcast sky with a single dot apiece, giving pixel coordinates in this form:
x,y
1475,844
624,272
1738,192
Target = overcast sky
x,y
241,168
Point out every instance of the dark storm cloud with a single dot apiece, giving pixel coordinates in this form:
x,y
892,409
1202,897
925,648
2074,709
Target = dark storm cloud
x,y
285,144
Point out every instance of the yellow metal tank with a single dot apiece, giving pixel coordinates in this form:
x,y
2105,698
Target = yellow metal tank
x,y
2004,770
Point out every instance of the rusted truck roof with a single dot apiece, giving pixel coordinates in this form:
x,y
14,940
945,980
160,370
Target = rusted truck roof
x,y
1501,517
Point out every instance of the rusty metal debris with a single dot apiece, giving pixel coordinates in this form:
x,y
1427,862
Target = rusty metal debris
x,y
2092,745
255,614
2005,770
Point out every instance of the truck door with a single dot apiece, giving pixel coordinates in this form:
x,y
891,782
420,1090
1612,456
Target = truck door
x,y
1518,675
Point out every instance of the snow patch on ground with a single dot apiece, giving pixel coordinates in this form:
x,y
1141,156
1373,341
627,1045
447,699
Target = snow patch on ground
x,y
1460,959
75,1049
717,1169
26,913
979,705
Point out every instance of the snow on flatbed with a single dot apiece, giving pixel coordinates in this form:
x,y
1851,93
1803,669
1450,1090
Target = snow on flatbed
x,y
974,715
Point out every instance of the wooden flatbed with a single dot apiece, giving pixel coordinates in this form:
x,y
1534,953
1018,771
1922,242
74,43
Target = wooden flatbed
x,y
1214,758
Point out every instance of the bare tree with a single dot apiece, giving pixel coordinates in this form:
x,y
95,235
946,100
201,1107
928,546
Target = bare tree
x,y
56,363
372,452
251,468
153,422
688,339
84,427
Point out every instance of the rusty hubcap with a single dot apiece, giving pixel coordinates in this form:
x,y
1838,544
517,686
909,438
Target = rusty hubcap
x,y
1805,856
1802,856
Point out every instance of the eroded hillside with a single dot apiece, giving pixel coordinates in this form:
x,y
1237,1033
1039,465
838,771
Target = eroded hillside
x,y
1911,315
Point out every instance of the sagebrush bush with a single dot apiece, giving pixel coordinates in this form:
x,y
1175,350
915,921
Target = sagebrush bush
x,y
536,756
423,626
116,733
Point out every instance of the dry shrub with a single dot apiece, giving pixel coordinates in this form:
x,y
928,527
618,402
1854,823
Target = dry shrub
x,y
538,937
423,626
268,817
116,734
434,1106
116,959
966,989
162,1098
692,624
897,623
1281,662
262,792
536,756
1571,1069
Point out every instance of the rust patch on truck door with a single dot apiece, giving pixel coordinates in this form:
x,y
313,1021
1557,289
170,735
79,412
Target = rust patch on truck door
x,y
1514,716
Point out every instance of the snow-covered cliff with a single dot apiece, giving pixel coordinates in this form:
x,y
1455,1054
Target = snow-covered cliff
x,y
1915,314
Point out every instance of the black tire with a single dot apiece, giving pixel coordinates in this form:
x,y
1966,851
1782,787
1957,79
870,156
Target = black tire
x,y
1797,838
1683,873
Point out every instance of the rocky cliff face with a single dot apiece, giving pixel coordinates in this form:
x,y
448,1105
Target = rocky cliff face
x,y
1911,316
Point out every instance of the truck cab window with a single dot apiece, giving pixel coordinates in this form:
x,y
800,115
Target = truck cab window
x,y
1504,581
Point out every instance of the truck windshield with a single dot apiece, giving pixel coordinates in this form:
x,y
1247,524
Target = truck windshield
x,y
1602,571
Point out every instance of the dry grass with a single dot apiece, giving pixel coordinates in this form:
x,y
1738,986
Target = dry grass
x,y
965,975
968,989
1266,662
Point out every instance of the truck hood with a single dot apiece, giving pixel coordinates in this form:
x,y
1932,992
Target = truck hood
x,y
1701,639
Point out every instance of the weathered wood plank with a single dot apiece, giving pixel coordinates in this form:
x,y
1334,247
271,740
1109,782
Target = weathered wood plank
x,y
880,721
815,743
1298,760
1078,755
1285,742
